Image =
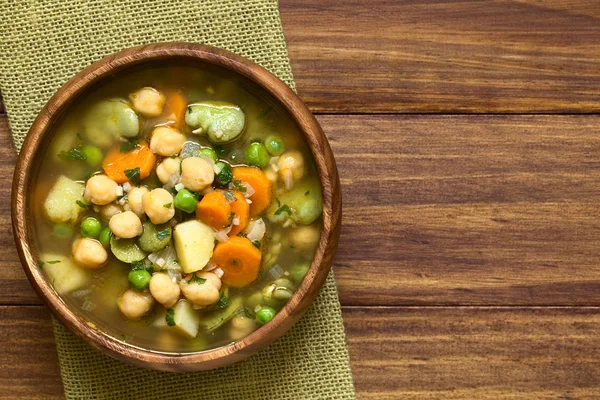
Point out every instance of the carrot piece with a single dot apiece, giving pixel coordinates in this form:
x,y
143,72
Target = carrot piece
x,y
239,260
175,107
241,209
263,193
214,210
116,163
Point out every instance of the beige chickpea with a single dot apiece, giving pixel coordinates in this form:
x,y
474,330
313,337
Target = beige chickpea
x,y
305,237
196,173
158,205
291,161
164,290
202,294
126,225
167,168
89,253
135,304
211,278
109,210
148,101
134,199
100,190
240,327
166,141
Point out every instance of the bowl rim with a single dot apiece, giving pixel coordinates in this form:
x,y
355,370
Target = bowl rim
x,y
308,127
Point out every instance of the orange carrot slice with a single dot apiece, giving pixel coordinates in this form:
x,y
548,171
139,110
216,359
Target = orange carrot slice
x,y
116,163
239,260
263,193
241,210
214,210
176,106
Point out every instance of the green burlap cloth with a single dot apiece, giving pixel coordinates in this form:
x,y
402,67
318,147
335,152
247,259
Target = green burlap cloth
x,y
43,44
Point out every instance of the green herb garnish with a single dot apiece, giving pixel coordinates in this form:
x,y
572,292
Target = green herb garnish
x,y
237,184
76,154
170,317
83,205
196,279
283,209
40,264
133,175
168,205
53,262
160,235
126,147
256,243
231,216
138,265
267,111
234,261
307,193
223,302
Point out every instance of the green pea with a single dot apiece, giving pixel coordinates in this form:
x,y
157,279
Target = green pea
x,y
139,279
225,175
265,314
93,155
186,201
63,231
274,145
91,227
210,153
257,155
105,236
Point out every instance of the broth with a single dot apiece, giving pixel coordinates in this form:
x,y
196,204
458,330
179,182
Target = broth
x,y
77,167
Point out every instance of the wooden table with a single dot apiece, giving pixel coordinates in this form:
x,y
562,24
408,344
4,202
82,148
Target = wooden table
x,y
468,140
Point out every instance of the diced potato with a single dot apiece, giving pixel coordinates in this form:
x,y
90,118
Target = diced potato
x,y
194,242
64,275
61,203
186,319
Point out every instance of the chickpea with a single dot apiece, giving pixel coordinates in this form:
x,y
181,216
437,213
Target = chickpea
x,y
211,278
134,199
134,304
158,205
109,210
148,101
291,161
126,225
305,237
202,294
164,290
166,141
240,327
167,168
89,253
100,190
196,173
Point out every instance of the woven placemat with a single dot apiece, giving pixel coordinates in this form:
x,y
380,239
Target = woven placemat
x,y
43,44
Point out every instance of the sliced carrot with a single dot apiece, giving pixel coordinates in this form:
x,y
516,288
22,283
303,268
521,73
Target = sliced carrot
x,y
176,105
241,209
239,260
263,193
116,163
214,210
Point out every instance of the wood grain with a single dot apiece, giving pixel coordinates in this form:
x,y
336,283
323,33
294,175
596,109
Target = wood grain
x,y
396,353
488,210
445,56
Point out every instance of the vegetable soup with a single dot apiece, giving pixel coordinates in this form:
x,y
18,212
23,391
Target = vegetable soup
x,y
176,208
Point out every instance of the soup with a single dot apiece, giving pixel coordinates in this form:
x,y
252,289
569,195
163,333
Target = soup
x,y
179,208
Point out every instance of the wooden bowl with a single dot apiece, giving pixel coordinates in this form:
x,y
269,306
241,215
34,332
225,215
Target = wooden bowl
x,y
186,53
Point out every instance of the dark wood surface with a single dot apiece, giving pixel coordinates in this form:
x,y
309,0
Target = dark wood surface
x,y
469,261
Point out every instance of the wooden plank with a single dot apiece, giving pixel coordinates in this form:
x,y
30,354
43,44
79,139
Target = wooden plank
x,y
396,352
475,210
447,56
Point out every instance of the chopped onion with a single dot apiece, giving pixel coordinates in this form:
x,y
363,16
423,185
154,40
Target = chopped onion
x,y
174,274
288,179
127,186
179,186
221,235
248,201
164,256
96,209
119,190
249,190
161,262
257,308
88,306
275,167
210,266
275,273
219,273
126,207
256,230
82,292
216,169
235,221
122,201
207,190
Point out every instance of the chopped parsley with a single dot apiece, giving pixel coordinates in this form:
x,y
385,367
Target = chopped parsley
x,y
40,264
76,154
138,265
307,193
292,247
126,147
161,235
170,317
237,184
196,279
266,112
256,243
234,261
283,209
231,216
244,312
223,301
242,234
168,205
190,110
83,205
53,262
133,175
229,196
